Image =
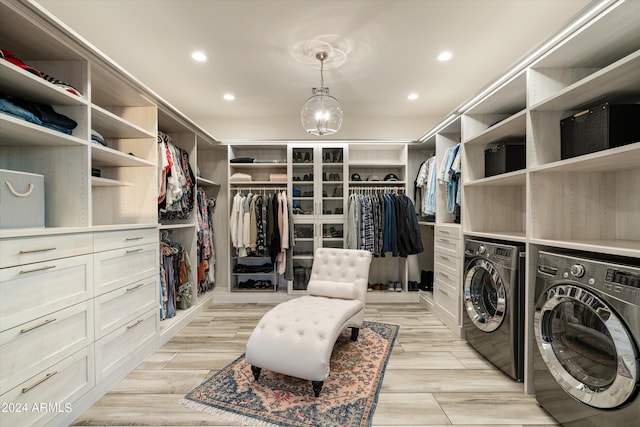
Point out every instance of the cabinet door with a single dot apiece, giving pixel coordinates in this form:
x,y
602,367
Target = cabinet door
x,y
304,234
303,175
331,184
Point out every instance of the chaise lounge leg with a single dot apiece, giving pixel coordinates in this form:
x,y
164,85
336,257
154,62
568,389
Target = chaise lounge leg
x,y
256,372
354,334
317,386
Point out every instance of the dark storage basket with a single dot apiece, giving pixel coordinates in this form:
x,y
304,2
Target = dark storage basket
x,y
505,156
599,128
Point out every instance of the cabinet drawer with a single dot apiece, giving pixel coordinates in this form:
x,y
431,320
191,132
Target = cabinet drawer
x,y
116,308
451,231
115,349
450,282
446,301
447,262
36,345
56,389
107,240
447,246
35,290
121,267
26,250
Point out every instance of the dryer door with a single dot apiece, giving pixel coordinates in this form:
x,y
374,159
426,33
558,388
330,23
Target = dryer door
x,y
585,346
485,297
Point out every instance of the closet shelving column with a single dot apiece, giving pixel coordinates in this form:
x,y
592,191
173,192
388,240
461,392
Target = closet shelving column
x,y
211,174
448,242
417,154
317,179
588,202
495,206
268,161
373,162
181,231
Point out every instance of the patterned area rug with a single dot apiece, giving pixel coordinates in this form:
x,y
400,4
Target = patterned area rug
x,y
348,397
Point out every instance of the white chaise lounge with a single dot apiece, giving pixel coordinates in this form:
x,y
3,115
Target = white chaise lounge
x,y
296,337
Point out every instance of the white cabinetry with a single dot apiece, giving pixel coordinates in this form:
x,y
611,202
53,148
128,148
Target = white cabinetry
x,y
88,281
447,286
317,178
585,203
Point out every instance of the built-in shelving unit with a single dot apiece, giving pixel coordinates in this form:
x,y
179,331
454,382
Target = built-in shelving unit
x,y
98,251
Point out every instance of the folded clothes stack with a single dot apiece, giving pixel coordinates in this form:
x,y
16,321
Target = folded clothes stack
x,y
262,268
96,137
40,114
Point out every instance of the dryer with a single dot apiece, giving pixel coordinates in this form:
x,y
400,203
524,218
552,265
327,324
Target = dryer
x,y
493,315
587,337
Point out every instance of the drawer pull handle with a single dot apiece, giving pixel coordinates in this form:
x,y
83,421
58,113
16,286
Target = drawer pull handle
x,y
444,240
46,322
444,292
36,250
46,267
446,258
444,274
133,288
49,375
444,231
135,324
131,251
133,238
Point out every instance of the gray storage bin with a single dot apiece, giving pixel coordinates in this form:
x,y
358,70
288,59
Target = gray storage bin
x,y
21,199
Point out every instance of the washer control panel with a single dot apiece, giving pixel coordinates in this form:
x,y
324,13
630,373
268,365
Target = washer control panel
x,y
621,281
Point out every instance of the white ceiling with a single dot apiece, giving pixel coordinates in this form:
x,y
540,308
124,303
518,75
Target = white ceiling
x,y
263,51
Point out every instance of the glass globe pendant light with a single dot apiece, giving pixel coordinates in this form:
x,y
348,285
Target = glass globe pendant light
x,y
321,114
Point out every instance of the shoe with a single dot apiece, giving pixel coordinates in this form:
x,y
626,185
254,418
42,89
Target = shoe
x,y
297,157
390,286
307,157
337,156
369,287
397,286
306,178
327,157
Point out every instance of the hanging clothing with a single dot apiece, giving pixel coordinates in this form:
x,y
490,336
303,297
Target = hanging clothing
x,y
382,223
176,187
205,242
261,225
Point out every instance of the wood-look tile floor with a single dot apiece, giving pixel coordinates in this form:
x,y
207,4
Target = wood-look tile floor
x,y
432,379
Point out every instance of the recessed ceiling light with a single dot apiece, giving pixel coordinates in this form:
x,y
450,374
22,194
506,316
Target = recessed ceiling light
x,y
445,56
412,96
199,56
229,96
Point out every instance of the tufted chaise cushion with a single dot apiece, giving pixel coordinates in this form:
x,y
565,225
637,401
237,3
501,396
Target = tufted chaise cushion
x,y
325,288
296,337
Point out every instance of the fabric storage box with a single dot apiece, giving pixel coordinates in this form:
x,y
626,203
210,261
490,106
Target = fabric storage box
x,y
21,199
599,128
505,156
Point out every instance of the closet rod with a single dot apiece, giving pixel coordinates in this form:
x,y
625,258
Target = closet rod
x,y
377,189
261,189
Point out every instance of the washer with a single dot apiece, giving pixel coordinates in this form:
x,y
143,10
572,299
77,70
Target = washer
x,y
493,318
587,335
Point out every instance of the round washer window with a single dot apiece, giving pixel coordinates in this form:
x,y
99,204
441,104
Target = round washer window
x,y
484,295
585,346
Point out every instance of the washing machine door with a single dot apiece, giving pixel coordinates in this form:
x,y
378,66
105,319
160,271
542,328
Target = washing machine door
x,y
585,346
485,296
